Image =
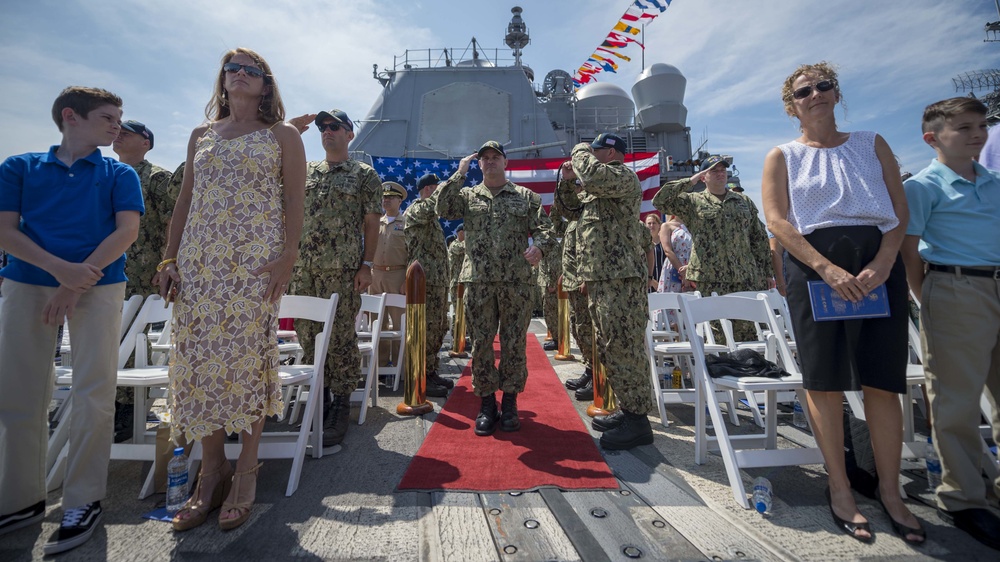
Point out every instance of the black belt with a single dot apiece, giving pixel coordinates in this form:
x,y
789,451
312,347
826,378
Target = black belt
x,y
975,271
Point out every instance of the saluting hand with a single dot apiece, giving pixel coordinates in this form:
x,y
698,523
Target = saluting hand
x,y
302,121
567,170
463,166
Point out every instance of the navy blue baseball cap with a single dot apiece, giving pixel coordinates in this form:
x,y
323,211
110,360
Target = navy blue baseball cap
x,y
610,140
139,129
337,115
427,179
494,145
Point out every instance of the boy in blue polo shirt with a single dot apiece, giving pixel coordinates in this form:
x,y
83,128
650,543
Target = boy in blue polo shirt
x,y
66,218
954,229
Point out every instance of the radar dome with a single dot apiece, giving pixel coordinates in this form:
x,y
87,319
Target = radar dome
x,y
659,99
602,106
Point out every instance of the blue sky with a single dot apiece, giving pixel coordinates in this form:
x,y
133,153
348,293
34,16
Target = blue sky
x,y
895,57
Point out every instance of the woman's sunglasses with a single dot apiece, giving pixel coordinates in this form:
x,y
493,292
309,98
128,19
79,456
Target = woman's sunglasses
x,y
806,91
233,68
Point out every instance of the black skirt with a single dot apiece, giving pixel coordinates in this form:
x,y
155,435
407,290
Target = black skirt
x,y
842,355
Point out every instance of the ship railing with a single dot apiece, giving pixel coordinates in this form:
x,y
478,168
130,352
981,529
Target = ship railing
x,y
446,57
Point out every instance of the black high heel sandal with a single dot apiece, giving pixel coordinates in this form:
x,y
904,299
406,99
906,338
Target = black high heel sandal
x,y
902,530
848,527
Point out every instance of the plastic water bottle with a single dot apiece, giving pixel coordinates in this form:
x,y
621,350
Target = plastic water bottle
x,y
798,415
933,464
675,377
762,494
177,480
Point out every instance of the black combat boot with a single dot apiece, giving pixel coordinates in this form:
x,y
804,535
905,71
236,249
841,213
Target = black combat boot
x,y
550,345
434,377
124,419
486,421
585,392
610,421
580,381
435,390
634,430
508,413
336,417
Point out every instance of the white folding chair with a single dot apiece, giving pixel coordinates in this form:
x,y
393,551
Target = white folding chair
x,y
676,347
372,312
742,451
393,300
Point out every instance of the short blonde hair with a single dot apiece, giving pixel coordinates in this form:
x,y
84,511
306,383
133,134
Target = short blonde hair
x,y
270,111
824,69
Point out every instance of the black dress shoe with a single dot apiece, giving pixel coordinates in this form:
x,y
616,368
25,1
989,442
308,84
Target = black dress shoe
x,y
979,522
608,422
489,416
336,418
435,390
550,345
633,431
508,413
851,529
585,392
580,381
437,379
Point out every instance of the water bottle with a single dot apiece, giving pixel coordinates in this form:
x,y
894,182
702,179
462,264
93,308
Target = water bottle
x,y
933,464
762,494
177,480
798,415
675,378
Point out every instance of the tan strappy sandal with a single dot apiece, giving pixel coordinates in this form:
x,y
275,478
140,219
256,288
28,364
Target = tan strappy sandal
x,y
199,510
245,486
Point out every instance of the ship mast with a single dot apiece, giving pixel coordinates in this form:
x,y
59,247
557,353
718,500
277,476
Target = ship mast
x,y
517,34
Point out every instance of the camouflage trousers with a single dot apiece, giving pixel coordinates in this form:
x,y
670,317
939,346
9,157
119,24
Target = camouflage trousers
x,y
503,307
618,307
581,325
550,309
742,331
343,360
437,323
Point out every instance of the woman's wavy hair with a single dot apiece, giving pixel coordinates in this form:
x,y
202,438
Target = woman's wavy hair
x,y
270,110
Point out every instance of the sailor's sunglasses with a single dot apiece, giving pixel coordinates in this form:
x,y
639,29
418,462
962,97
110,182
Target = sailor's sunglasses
x,y
233,68
333,127
806,91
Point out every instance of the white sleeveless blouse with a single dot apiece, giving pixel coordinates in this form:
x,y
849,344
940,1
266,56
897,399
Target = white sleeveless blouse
x,y
840,186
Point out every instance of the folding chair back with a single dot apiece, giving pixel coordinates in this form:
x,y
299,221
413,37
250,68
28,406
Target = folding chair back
x,y
373,308
393,300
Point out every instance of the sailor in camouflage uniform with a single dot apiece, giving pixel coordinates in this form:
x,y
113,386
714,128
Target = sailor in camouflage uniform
x,y
548,277
730,248
611,247
425,243
159,195
580,322
343,204
499,216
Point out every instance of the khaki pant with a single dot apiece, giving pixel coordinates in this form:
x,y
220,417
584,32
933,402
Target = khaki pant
x,y
26,384
960,329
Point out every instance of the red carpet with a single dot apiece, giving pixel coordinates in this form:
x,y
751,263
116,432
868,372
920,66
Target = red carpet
x,y
552,448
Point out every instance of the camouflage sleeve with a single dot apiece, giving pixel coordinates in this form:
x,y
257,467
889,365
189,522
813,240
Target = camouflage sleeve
x,y
566,203
173,188
422,211
371,186
451,203
601,180
541,229
673,199
759,245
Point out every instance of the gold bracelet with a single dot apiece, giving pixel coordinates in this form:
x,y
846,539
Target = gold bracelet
x,y
165,263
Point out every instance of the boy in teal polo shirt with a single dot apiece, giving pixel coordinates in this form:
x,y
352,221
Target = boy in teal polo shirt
x,y
66,218
954,229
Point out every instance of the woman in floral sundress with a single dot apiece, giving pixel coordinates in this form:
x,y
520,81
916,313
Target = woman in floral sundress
x,y
233,243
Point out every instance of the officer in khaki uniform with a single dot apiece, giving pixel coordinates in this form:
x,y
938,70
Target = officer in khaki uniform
x,y
499,216
339,235
389,271
730,248
141,258
425,243
611,246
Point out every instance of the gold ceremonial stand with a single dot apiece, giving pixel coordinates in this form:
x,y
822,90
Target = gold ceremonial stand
x,y
604,398
415,382
562,309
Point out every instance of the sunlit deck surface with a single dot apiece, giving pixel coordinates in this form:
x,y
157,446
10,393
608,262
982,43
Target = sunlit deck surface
x,y
668,508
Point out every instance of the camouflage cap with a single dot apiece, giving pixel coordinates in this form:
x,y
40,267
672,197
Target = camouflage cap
x,y
610,140
494,145
393,189
139,129
337,115
712,160
427,179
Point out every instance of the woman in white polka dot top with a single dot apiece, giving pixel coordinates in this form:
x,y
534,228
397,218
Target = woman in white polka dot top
x,y
835,202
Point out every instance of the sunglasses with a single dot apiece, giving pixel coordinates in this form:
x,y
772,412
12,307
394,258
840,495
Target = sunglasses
x,y
333,127
806,91
233,68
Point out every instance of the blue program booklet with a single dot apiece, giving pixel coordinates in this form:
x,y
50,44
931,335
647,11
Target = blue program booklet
x,y
828,305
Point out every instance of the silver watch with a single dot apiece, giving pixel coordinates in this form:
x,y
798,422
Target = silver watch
x,y
371,265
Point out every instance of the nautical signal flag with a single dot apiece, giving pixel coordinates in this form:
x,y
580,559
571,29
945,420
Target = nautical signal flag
x,y
537,174
639,13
